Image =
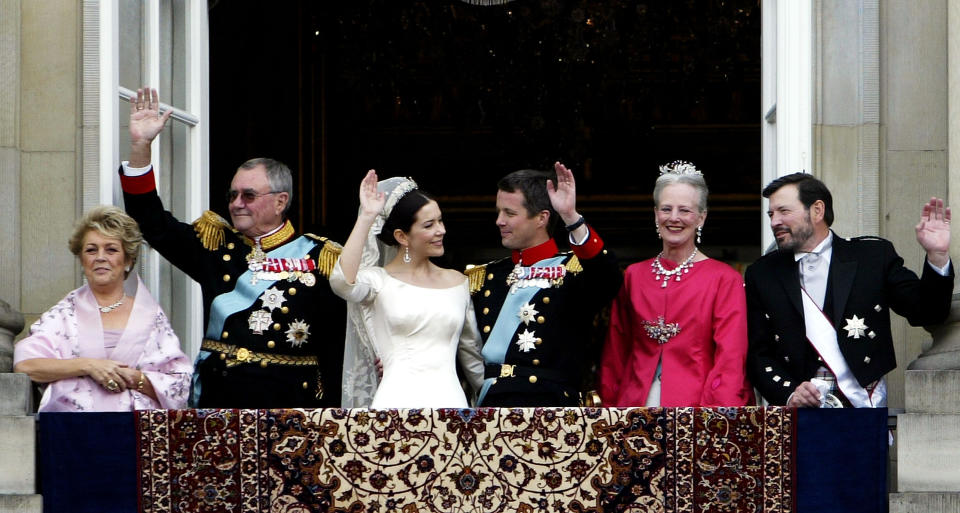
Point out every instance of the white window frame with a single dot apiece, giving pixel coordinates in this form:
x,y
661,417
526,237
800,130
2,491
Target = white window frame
x,y
194,114
786,94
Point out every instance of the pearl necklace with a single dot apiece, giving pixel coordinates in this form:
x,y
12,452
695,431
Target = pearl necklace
x,y
108,309
661,273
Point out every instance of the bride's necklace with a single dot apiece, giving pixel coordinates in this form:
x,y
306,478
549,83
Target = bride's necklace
x,y
110,308
661,273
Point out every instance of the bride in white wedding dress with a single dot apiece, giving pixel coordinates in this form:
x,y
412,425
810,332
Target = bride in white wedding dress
x,y
413,315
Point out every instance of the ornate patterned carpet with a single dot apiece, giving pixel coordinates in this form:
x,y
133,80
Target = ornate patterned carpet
x,y
482,460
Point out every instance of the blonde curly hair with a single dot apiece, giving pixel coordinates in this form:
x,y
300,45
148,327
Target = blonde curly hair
x,y
111,222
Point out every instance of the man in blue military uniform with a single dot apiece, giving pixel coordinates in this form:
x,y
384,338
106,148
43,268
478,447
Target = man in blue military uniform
x,y
536,308
274,329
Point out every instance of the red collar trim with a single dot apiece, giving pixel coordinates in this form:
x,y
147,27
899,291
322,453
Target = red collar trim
x,y
535,254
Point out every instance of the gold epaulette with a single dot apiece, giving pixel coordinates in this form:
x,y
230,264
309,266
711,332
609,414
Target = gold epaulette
x,y
477,275
210,228
328,256
573,265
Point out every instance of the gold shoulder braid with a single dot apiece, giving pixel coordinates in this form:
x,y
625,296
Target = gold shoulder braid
x,y
477,275
210,227
573,265
328,256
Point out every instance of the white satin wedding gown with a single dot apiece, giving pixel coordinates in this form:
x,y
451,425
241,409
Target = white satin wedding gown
x,y
418,333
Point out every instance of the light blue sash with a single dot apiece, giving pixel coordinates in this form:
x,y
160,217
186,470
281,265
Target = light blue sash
x,y
240,298
244,293
495,349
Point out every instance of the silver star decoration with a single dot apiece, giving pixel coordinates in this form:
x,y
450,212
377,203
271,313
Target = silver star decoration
x,y
526,340
855,327
259,321
298,333
272,298
527,313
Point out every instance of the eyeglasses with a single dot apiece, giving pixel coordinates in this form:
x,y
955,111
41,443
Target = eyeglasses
x,y
248,195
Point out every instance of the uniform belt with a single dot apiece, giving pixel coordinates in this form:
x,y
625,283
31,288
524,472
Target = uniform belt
x,y
236,355
505,370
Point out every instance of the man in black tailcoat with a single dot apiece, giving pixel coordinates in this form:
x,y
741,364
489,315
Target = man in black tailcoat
x,y
819,306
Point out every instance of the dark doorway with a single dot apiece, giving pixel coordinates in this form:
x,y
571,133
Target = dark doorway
x,y
457,95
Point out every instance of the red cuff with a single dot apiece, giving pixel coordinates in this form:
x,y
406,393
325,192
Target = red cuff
x,y
590,248
138,184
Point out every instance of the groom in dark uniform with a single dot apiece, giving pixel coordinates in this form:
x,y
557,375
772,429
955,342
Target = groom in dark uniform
x,y
819,307
535,309
274,329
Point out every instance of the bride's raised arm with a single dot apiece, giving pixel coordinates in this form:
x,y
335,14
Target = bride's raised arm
x,y
371,203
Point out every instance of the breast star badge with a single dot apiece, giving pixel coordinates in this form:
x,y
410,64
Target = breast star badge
x,y
298,333
527,313
259,321
526,340
272,298
855,327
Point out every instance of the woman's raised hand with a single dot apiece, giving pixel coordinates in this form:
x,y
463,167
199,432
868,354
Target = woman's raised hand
x,y
371,200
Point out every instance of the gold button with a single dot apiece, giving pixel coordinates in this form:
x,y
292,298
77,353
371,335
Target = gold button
x,y
486,293
223,356
536,362
533,379
276,326
292,291
271,344
539,341
284,309
486,329
230,245
226,277
263,363
490,276
225,334
226,258
305,385
541,320
546,300
604,252
486,310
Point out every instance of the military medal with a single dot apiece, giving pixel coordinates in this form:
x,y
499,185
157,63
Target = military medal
x,y
259,321
298,333
276,269
542,277
308,279
527,313
272,298
855,327
527,340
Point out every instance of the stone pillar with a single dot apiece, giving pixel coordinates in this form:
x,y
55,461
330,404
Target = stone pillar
x,y
11,324
943,352
928,434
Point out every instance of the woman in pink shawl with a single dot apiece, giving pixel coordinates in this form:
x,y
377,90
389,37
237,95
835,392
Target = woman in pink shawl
x,y
103,348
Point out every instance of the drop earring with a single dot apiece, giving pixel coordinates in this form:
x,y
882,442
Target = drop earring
x,y
699,233
658,229
406,254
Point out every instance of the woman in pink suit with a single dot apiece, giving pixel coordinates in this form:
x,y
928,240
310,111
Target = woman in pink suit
x,y
678,328
105,347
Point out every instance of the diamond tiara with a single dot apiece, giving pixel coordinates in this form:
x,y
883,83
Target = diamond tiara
x,y
680,167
